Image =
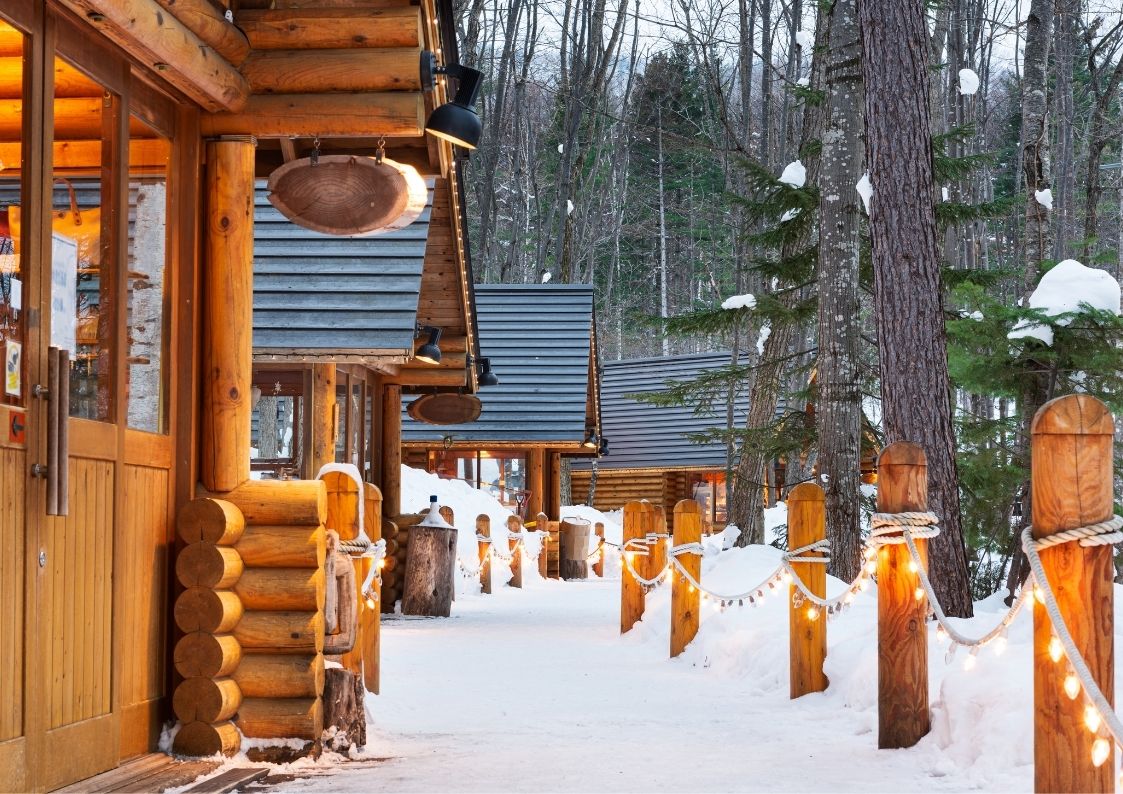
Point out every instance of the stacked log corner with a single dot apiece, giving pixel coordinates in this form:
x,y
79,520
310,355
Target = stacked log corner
x,y
396,530
207,612
1071,474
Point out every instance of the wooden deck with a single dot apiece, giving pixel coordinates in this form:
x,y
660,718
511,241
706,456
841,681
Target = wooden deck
x,y
157,772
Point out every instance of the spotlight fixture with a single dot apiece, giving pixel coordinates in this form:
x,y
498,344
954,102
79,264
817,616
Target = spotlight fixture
x,y
428,353
592,440
455,121
487,377
603,445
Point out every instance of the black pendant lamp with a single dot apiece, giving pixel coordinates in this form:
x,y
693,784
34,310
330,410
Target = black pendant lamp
x,y
455,121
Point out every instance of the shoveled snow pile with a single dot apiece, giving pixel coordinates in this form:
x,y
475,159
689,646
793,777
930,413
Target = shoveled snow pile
x,y
968,82
1044,198
794,174
865,190
746,301
1062,292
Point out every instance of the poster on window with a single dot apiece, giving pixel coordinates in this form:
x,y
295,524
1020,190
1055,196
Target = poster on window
x,y
64,292
13,361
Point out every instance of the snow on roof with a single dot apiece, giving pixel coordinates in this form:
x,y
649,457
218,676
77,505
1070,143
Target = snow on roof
x,y
1065,290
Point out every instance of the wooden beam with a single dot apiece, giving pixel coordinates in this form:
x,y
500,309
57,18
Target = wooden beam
x,y
316,28
75,119
325,416
428,377
228,314
392,451
159,40
11,42
207,22
333,71
448,361
396,114
150,153
69,82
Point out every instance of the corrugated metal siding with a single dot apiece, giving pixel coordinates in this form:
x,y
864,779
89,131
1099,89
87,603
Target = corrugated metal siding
x,y
641,435
343,296
538,338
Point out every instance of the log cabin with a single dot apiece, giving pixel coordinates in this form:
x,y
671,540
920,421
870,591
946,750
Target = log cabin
x,y
654,452
540,341
133,134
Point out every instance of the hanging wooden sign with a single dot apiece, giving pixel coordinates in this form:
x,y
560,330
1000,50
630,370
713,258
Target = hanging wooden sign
x,y
445,409
340,194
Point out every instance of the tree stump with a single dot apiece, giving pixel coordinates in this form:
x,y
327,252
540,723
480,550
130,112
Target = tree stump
x,y
427,589
574,548
343,708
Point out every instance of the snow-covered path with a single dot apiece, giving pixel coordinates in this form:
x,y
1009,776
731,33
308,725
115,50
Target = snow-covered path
x,y
535,690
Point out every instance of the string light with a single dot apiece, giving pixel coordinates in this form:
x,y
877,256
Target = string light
x,y
1038,594
1000,643
1092,718
871,567
1101,749
912,566
919,593
941,634
1072,685
812,613
786,577
1056,650
970,661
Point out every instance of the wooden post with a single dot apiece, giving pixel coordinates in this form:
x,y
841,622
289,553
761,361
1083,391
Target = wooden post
x,y
573,548
392,450
325,416
598,566
227,313
535,482
902,633
514,526
553,484
483,529
686,601
448,516
638,519
1072,487
656,558
370,621
807,623
542,527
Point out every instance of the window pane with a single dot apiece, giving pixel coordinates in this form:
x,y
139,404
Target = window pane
x,y
82,265
149,155
12,276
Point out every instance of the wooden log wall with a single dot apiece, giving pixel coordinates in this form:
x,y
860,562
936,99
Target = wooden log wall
x,y
616,488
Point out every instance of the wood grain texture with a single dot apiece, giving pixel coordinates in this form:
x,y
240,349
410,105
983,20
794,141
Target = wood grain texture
x,y
283,547
227,314
204,655
201,739
281,675
213,520
281,718
483,529
282,589
208,565
1072,486
325,416
207,22
598,566
902,636
315,28
280,502
206,699
370,619
322,71
686,605
807,637
393,114
343,504
205,609
12,468
514,526
281,632
430,566
639,518
392,451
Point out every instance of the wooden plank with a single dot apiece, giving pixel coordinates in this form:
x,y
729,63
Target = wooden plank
x,y
333,71
1072,487
230,780
685,599
393,114
176,774
807,627
12,498
391,485
315,28
638,520
207,22
136,769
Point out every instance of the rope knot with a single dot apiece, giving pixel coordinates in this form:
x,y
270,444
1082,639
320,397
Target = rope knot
x,y
888,529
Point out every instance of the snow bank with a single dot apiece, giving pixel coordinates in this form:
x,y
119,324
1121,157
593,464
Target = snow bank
x,y
794,174
1063,291
746,301
968,82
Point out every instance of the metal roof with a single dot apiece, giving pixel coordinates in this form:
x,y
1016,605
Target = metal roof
x,y
339,298
643,436
539,338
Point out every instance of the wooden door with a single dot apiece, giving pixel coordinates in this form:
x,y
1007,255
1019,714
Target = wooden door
x,y
86,492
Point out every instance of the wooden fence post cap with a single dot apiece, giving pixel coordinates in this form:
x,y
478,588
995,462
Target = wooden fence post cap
x,y
1073,415
902,453
642,507
806,492
684,506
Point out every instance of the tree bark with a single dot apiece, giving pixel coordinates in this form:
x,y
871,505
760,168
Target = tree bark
x,y
839,408
1036,155
912,350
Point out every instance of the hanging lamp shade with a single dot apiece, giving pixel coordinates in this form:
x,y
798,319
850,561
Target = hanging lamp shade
x,y
346,194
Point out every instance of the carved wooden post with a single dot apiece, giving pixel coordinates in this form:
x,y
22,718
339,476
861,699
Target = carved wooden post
x,y
370,627
514,527
686,600
902,633
392,451
656,558
807,624
325,416
598,566
483,529
227,314
638,518
542,527
1072,487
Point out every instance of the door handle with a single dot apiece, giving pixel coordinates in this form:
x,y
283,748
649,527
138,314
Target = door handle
x,y
52,431
58,441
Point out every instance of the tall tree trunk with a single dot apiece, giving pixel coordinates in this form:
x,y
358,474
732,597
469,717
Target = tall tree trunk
x,y
662,241
1036,155
766,79
839,408
912,349
1064,197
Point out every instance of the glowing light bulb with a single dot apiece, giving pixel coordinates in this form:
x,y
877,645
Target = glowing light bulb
x,y
691,589
381,564
870,554
871,567
370,603
1039,594
786,577
1092,719
918,593
864,585
912,566
941,634
630,557
999,644
1072,686
812,613
848,599
970,661
1056,650
717,607
1101,749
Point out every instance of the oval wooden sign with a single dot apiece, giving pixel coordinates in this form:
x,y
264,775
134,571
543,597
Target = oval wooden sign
x,y
445,409
342,194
